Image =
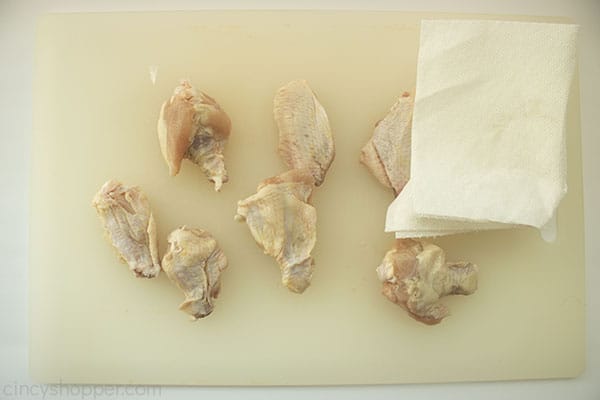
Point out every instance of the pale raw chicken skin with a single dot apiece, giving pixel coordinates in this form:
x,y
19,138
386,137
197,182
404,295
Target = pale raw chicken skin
x,y
194,262
192,125
283,224
305,139
129,225
415,276
387,153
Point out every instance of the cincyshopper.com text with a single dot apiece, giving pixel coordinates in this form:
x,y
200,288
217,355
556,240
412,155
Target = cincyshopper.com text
x,y
15,390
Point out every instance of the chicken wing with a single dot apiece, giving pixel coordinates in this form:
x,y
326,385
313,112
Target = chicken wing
x,y
305,139
283,224
415,276
387,153
194,262
129,225
192,125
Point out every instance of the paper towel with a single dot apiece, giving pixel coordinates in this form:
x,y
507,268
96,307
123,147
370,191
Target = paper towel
x,y
415,226
488,140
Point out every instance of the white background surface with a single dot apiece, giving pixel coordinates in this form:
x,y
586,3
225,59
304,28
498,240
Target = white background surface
x,y
17,24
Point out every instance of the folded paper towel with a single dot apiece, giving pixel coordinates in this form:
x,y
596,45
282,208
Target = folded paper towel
x,y
413,226
488,141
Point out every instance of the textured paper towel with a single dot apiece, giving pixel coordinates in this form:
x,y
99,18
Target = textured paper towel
x,y
415,226
488,142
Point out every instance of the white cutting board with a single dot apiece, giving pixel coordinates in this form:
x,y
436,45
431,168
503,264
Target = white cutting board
x,y
95,118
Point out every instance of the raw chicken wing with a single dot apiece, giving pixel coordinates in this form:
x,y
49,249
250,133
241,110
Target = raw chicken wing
x,y
283,224
192,125
129,225
305,139
387,153
194,262
415,276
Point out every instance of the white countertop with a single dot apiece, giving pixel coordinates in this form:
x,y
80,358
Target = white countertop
x,y
17,25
